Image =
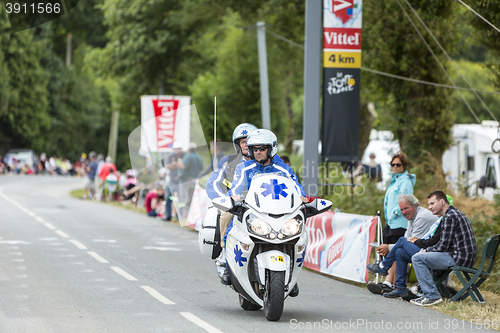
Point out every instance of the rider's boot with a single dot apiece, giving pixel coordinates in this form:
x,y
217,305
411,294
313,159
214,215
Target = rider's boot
x,y
225,279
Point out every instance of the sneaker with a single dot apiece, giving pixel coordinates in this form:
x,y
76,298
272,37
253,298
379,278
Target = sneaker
x,y
221,259
379,288
396,293
422,301
375,268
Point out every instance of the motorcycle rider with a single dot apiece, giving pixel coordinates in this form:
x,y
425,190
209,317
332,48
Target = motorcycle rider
x,y
262,147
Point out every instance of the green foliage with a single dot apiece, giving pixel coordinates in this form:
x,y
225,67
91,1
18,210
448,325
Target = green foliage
x,y
484,227
481,79
24,117
420,116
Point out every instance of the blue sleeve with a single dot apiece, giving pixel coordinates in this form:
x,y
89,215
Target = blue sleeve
x,y
215,185
239,181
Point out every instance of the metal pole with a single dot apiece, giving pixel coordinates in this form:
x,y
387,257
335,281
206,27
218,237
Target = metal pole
x,y
312,81
113,135
264,83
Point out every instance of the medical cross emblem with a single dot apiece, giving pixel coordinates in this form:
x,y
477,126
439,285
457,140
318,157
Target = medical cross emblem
x,y
244,132
238,256
275,189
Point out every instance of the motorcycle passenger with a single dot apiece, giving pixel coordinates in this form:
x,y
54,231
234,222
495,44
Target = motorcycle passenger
x,y
262,146
221,179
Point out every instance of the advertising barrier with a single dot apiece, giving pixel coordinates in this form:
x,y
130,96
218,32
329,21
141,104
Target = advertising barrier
x,y
339,244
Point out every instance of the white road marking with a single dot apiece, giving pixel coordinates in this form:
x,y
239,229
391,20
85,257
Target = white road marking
x,y
97,257
192,318
13,242
62,234
39,219
31,214
48,239
48,225
161,248
78,244
157,295
105,240
123,273
167,243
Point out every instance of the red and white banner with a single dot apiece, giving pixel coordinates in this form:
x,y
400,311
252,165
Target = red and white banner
x,y
339,244
164,120
342,39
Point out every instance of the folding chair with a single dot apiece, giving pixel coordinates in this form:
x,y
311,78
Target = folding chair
x,y
472,283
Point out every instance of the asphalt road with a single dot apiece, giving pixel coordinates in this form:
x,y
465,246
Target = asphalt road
x,y
69,265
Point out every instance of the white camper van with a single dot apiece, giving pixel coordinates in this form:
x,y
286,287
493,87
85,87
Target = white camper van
x,y
470,162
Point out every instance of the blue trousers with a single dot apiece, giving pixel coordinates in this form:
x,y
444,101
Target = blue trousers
x,y
424,264
401,253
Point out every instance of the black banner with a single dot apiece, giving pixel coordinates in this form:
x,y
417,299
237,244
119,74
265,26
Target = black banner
x,y
340,122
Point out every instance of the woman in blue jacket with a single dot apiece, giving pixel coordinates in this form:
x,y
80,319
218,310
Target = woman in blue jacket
x,y
402,182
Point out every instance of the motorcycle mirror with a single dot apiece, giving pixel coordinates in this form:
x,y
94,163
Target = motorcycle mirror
x,y
317,206
223,203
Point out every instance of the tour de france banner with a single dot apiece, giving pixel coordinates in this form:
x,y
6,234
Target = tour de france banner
x,y
339,244
164,118
341,79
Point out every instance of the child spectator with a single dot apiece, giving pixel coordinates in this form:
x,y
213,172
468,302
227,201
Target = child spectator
x,y
110,185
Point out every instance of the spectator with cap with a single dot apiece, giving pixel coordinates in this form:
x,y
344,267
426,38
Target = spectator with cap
x,y
91,173
373,169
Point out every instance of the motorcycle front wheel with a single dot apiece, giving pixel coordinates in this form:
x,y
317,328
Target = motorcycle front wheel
x,y
274,296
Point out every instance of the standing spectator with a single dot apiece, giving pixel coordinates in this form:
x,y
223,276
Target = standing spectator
x,y
191,165
90,181
172,187
106,167
374,170
152,202
456,246
401,183
98,182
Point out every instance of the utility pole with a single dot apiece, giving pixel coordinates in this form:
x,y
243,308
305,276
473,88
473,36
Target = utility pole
x,y
113,135
312,81
69,39
263,77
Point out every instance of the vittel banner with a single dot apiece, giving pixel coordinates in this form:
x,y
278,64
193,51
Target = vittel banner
x,y
341,86
339,244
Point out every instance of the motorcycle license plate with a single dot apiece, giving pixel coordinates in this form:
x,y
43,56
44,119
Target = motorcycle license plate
x,y
277,258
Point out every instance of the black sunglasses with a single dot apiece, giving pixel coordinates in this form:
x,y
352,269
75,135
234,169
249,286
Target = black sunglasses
x,y
396,165
259,148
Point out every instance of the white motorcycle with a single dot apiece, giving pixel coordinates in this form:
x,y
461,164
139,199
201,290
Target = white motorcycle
x,y
266,246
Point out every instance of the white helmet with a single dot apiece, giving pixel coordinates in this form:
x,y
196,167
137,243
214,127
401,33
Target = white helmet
x,y
263,137
241,131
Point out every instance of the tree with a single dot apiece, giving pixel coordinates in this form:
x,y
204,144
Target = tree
x,y
418,115
24,118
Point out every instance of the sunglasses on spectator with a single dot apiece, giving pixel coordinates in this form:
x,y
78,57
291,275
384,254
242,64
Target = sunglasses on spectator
x,y
259,148
398,165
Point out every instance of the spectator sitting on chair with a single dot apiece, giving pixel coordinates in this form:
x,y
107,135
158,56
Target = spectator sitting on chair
x,y
422,231
456,246
152,202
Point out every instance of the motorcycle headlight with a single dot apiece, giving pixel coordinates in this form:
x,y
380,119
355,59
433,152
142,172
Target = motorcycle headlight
x,y
291,228
257,226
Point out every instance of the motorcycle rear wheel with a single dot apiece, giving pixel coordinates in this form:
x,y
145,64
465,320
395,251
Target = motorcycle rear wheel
x,y
274,297
247,305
